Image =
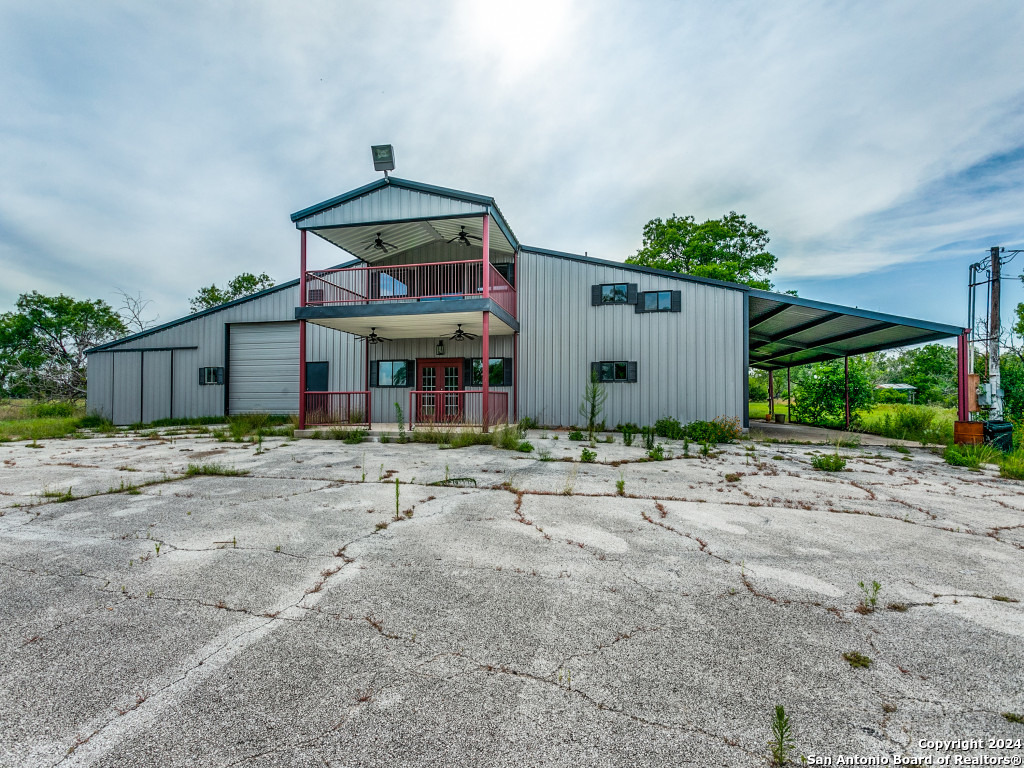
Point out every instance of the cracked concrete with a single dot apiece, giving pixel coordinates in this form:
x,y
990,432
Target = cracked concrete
x,y
285,617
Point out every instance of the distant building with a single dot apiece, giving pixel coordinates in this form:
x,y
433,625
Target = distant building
x,y
910,390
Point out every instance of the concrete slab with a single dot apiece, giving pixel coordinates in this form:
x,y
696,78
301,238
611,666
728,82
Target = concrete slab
x,y
302,614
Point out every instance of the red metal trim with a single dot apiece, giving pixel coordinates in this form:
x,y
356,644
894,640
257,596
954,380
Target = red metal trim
x,y
515,377
486,363
962,357
336,408
497,412
302,269
302,374
486,245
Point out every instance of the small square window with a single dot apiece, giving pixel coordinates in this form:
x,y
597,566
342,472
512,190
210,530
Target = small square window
x,y
615,293
611,371
392,373
211,375
657,301
497,374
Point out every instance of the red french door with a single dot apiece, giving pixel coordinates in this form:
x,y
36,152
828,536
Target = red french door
x,y
445,378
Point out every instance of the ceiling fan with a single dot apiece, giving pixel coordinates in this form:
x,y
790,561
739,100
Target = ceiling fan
x,y
379,244
464,237
461,335
373,338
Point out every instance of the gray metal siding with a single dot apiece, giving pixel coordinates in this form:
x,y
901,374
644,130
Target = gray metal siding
x,y
99,392
390,204
690,363
264,368
127,388
156,385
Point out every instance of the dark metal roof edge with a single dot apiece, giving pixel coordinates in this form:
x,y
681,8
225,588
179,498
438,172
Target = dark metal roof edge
x,y
204,312
635,268
927,325
416,186
934,336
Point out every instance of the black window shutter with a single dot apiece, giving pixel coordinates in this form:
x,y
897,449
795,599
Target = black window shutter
x,y
202,377
677,301
506,367
595,370
631,293
220,375
373,373
631,371
467,372
410,374
639,308
595,295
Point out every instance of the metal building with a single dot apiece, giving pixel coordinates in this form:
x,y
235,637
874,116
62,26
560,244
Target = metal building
x,y
440,283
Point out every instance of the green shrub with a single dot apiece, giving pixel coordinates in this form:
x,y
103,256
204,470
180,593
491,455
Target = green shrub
x,y
52,410
669,428
507,438
628,431
829,462
577,435
971,456
526,423
657,453
525,447
721,430
588,456
648,436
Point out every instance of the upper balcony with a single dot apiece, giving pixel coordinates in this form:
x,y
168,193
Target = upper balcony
x,y
406,283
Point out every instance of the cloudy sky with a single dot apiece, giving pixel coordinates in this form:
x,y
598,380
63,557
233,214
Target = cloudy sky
x,y
158,147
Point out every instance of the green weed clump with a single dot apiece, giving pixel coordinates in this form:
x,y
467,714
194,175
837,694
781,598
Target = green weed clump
x,y
722,429
588,456
51,410
577,435
857,660
525,447
782,743
214,469
507,437
829,462
971,456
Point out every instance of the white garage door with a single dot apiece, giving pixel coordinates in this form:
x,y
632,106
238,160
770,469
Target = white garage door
x,y
263,376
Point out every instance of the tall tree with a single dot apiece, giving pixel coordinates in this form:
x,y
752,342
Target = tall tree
x,y
730,248
43,344
238,287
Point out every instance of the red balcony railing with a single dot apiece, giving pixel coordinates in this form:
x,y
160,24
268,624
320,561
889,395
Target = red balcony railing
x,y
338,408
436,281
462,407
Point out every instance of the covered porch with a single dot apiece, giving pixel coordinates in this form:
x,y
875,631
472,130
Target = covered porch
x,y
432,294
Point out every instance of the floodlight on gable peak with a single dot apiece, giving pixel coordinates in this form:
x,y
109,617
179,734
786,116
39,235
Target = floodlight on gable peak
x,y
383,158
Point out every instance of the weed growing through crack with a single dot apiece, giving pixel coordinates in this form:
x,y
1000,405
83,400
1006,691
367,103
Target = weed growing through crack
x,y
857,660
620,484
157,545
380,477
870,600
362,478
588,456
829,462
1013,717
59,496
782,744
214,469
657,453
398,496
400,418
277,548
565,676
570,479
733,477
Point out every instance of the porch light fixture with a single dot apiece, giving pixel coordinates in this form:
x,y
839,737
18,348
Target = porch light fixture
x,y
439,349
383,158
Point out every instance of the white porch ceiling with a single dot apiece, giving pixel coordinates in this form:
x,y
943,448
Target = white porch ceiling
x,y
415,326
406,235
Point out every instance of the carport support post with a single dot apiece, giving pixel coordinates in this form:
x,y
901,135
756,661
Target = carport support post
x,y
789,397
771,394
486,372
961,376
302,331
846,373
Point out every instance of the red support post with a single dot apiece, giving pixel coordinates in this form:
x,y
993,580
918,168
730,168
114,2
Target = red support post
x,y
486,245
771,394
962,355
515,377
486,337
302,331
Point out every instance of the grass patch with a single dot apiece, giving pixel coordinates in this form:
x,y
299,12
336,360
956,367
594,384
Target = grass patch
x,y
922,423
1012,465
971,456
857,660
828,462
214,469
1013,717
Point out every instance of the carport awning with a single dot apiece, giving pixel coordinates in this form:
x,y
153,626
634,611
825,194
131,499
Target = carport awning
x,y
787,331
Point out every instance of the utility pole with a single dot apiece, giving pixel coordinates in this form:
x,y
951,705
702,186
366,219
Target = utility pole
x,y
996,414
